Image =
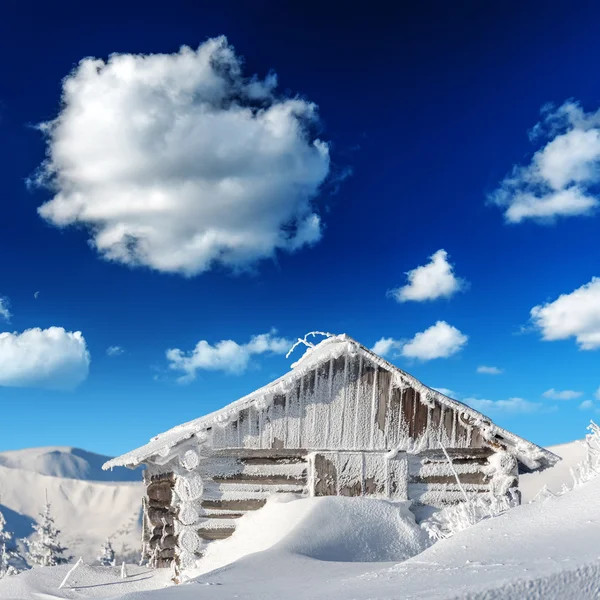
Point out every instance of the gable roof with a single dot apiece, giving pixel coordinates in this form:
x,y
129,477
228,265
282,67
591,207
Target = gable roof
x,y
532,456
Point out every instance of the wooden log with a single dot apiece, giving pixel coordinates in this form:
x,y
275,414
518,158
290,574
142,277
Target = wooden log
x,y
156,516
476,478
260,479
245,454
158,530
215,534
242,505
163,563
223,515
168,542
455,453
161,491
169,476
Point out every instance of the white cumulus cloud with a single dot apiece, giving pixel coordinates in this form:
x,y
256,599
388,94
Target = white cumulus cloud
x,y
4,312
489,370
48,358
226,355
385,346
572,315
434,280
446,392
180,163
438,341
511,406
562,394
114,351
560,179
586,405
597,394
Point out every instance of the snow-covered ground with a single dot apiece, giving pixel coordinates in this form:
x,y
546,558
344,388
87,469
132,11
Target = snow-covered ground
x,y
365,549
88,504
544,550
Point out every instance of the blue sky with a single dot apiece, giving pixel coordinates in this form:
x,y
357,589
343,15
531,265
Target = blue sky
x,y
185,204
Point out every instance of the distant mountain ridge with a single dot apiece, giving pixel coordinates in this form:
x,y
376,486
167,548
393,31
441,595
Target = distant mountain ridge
x,y
67,463
88,504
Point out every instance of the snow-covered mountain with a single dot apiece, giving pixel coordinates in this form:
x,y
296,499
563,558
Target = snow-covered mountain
x,y
88,504
66,462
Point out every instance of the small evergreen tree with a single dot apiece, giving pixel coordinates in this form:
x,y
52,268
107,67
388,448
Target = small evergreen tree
x,y
589,467
9,557
107,554
45,549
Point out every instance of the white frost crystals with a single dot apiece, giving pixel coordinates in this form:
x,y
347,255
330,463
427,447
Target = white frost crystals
x,y
178,162
188,491
48,358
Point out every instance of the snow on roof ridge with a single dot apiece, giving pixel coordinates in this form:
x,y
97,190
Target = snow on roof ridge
x,y
528,452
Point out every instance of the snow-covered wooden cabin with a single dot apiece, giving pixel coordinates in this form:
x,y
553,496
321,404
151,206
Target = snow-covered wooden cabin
x,y
342,421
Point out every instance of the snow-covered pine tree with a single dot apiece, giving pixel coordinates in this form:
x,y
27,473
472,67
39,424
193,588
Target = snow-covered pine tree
x,y
45,549
589,467
9,557
107,554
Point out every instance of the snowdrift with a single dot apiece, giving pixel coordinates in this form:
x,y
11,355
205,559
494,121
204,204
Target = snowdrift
x,y
327,529
535,551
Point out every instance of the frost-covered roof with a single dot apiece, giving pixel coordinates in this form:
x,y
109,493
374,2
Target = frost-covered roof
x,y
531,455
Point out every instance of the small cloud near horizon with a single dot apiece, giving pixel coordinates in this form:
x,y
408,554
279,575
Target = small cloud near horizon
x,y
562,394
489,370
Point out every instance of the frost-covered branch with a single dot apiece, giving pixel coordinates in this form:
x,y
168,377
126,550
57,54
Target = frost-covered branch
x,y
71,571
305,341
460,486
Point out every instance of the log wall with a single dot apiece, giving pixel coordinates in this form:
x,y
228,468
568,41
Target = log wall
x,y
159,540
359,474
